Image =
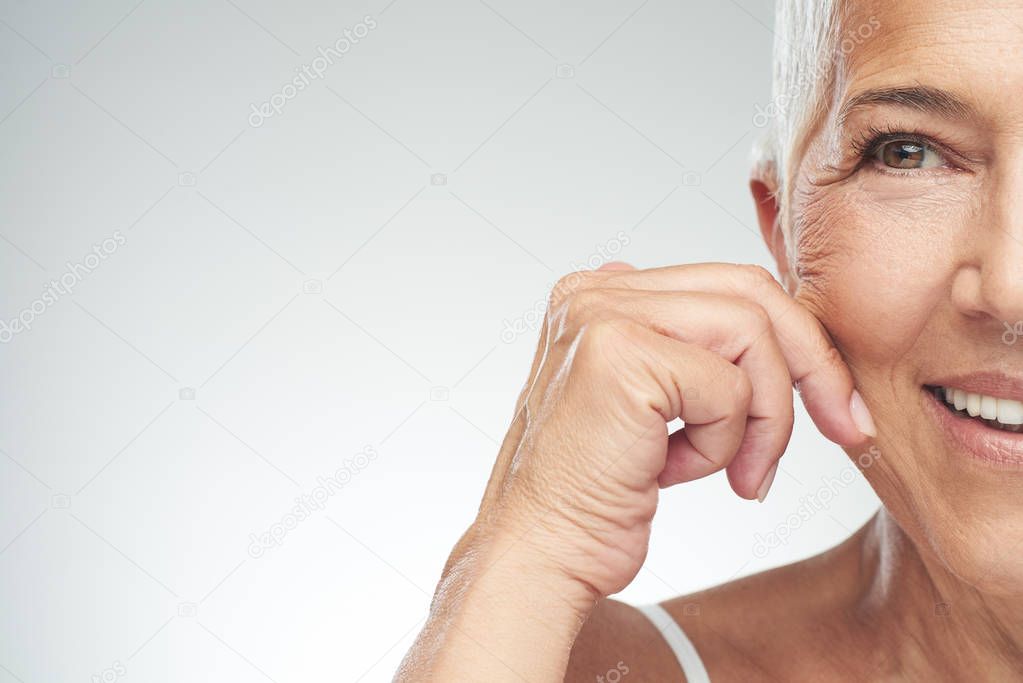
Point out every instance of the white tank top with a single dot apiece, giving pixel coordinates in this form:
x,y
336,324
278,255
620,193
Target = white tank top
x,y
688,658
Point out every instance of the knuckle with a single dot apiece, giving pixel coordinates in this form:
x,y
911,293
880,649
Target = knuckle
x,y
757,316
719,458
599,335
582,305
604,343
742,388
758,276
569,284
750,322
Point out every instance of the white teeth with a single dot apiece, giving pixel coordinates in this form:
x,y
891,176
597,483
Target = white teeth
x,y
973,404
960,399
988,407
1002,410
1010,412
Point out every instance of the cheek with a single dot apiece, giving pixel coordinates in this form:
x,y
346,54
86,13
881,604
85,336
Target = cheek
x,y
874,262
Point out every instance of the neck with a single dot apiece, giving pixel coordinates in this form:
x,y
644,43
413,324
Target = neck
x,y
926,623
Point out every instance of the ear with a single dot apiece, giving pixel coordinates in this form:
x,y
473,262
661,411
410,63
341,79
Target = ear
x,y
763,187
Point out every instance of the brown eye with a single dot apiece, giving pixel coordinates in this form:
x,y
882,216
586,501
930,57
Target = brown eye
x,y
906,154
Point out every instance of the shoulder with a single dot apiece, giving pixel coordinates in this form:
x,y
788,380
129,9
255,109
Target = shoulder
x,y
618,641
752,629
748,630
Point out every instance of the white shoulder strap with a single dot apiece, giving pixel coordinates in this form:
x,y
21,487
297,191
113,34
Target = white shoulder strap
x,y
688,658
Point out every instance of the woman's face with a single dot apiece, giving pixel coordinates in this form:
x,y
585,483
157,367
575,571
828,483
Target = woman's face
x,y
908,228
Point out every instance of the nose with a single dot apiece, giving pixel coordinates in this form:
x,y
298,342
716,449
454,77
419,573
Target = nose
x,y
992,284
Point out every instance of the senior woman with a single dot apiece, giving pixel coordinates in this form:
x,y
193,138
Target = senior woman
x,y
891,196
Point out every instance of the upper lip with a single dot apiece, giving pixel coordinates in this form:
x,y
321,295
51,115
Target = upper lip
x,y
996,384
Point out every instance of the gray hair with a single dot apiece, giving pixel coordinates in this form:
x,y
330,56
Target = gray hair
x,y
806,49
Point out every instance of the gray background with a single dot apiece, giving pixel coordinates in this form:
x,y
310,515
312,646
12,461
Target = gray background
x,y
338,279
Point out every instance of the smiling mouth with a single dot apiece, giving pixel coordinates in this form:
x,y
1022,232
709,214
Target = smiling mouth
x,y
998,413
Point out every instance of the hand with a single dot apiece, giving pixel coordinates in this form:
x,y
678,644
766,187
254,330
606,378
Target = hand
x,y
623,352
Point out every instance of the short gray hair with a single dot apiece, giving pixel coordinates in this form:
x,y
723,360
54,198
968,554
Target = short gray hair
x,y
806,50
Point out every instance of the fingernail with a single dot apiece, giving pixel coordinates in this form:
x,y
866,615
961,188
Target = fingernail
x,y
860,415
765,485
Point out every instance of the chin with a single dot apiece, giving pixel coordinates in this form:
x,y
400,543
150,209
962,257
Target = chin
x,y
979,420
950,473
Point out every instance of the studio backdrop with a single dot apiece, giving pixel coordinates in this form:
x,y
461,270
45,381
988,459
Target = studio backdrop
x,y
272,277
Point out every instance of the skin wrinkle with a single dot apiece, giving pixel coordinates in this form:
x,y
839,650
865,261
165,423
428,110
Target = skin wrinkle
x,y
877,258
928,229
816,251
913,275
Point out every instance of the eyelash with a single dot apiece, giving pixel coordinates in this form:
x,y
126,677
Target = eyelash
x,y
867,144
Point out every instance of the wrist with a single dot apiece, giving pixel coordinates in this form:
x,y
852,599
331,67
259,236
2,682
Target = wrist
x,y
505,605
528,555
523,561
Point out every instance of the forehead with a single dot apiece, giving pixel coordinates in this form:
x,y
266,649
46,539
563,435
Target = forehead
x,y
968,47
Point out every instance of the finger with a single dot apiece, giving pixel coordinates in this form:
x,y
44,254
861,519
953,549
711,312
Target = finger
x,y
715,416
816,367
709,394
734,329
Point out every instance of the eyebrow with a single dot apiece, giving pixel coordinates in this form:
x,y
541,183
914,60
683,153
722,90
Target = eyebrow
x,y
918,97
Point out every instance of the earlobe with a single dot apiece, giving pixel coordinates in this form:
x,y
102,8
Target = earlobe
x,y
768,216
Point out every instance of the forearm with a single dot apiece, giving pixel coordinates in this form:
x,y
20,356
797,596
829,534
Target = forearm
x,y
498,615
